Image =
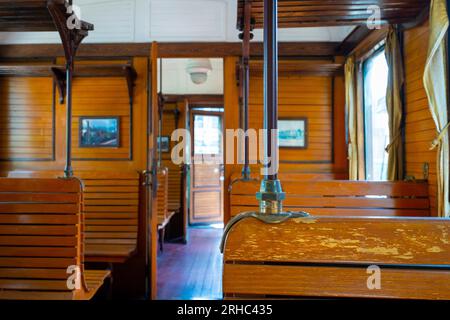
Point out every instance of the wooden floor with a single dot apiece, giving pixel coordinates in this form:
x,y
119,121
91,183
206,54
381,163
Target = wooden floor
x,y
192,271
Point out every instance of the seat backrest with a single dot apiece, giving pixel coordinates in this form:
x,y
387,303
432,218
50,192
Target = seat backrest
x,y
162,194
175,186
40,237
336,257
341,197
111,209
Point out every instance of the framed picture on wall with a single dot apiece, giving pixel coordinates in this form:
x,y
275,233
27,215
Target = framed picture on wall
x,y
99,132
293,133
164,144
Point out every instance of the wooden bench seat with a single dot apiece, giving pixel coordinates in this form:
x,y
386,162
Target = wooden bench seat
x,y
111,209
340,197
41,236
162,198
330,257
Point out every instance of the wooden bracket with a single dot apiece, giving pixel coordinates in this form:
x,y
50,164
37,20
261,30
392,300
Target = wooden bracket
x,y
59,77
71,38
131,77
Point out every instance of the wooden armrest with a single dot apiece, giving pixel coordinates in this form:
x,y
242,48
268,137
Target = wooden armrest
x,y
94,280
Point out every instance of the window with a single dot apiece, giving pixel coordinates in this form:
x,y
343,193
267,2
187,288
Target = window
x,y
207,134
375,72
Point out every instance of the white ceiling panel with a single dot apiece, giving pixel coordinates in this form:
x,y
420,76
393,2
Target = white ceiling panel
x,y
193,20
168,21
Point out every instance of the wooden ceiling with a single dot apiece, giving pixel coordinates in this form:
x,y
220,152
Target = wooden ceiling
x,y
32,15
321,13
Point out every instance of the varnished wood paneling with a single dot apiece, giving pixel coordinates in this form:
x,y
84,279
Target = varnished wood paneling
x,y
420,129
294,14
26,118
340,198
169,124
102,97
300,97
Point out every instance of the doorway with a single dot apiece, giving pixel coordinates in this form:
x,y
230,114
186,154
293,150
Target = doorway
x,y
192,102
206,191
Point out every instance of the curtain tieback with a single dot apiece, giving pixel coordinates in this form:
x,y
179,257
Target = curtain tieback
x,y
390,145
438,139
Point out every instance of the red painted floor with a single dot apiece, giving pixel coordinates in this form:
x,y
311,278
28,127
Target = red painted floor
x,y
194,270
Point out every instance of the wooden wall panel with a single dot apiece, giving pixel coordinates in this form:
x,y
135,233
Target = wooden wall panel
x,y
320,100
420,128
92,96
101,97
26,118
175,171
300,97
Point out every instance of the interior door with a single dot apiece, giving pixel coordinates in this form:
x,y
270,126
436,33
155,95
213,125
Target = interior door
x,y
206,168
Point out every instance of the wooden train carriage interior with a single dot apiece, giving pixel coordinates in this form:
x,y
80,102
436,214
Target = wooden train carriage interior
x,y
228,149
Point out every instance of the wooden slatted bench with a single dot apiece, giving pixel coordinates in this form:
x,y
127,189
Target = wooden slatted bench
x,y
111,209
164,215
175,183
331,256
340,197
40,238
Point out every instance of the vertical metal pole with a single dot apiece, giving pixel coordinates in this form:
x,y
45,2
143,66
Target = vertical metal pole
x,y
68,171
271,194
160,112
245,84
270,79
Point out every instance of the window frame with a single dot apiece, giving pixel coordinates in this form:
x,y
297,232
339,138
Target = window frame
x,y
376,50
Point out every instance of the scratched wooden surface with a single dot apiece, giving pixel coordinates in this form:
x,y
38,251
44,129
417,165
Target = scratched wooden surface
x,y
342,239
329,257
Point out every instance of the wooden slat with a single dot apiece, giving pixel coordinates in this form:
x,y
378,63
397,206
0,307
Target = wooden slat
x,y
37,252
342,212
26,185
38,241
309,281
41,295
344,239
301,201
342,188
37,262
331,13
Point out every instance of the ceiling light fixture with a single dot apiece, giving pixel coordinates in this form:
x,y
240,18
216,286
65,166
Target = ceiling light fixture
x,y
198,69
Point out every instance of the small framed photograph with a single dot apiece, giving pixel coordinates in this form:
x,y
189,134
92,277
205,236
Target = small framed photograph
x,y
293,133
99,132
164,144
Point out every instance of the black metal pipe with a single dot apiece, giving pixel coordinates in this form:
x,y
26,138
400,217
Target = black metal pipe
x,y
270,83
68,171
246,36
245,99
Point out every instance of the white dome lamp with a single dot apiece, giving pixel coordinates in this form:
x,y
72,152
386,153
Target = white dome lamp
x,y
198,70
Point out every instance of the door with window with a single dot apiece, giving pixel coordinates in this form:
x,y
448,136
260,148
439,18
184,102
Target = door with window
x,y
206,168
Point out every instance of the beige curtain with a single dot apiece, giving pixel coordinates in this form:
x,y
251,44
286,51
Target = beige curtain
x,y
350,111
435,82
394,105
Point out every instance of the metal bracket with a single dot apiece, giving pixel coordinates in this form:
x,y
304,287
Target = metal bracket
x,y
268,218
147,177
243,179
